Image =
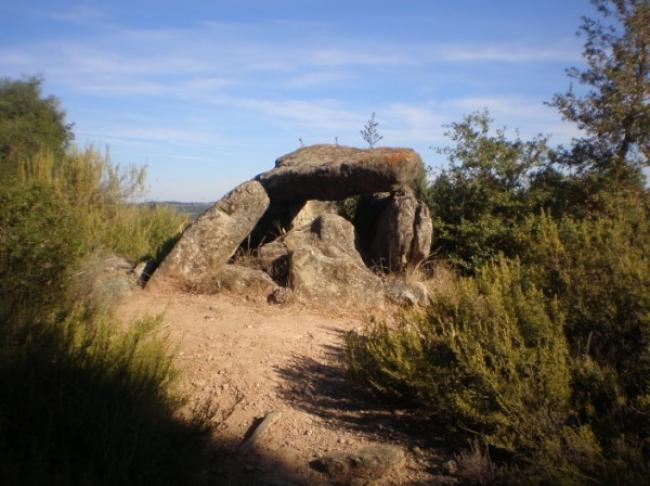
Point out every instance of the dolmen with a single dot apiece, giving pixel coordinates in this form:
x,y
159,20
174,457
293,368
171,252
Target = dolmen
x,y
280,235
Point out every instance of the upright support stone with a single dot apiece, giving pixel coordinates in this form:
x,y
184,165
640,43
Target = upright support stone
x,y
214,237
325,266
403,233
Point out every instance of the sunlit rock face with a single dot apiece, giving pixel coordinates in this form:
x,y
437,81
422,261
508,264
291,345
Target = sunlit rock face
x,y
283,226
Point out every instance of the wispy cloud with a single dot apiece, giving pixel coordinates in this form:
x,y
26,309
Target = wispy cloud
x,y
79,14
251,77
311,79
317,114
512,53
407,123
527,114
357,57
165,135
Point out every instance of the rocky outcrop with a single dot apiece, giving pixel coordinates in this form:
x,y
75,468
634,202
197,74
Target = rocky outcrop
x,y
103,280
325,266
311,210
362,467
273,258
402,234
243,280
213,238
404,293
331,172
289,243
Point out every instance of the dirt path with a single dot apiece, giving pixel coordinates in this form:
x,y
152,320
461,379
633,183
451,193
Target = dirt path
x,y
252,359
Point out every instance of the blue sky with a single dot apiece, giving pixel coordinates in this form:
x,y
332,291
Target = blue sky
x,y
208,93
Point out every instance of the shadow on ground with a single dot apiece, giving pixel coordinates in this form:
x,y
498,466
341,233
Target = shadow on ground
x,y
68,416
231,467
324,388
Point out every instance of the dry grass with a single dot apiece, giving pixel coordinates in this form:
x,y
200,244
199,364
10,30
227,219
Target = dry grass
x,y
474,465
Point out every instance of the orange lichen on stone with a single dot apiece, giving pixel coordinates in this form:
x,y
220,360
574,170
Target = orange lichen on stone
x,y
397,158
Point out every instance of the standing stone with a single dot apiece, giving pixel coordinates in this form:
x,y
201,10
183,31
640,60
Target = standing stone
x,y
242,280
273,258
423,234
325,266
281,216
311,210
403,233
275,222
213,238
332,172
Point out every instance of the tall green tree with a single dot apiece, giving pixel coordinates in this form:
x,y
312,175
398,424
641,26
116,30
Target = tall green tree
x,y
614,112
29,122
478,201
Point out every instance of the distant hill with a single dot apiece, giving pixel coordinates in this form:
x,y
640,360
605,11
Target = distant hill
x,y
194,209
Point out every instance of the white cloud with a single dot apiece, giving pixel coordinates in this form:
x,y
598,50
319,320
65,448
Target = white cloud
x,y
406,123
506,53
311,79
531,116
166,135
78,14
318,114
359,57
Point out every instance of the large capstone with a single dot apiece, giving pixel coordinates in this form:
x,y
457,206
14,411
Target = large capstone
x,y
207,244
332,172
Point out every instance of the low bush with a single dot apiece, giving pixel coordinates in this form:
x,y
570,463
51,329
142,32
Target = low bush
x,y
39,243
83,399
599,270
487,356
84,403
101,194
546,356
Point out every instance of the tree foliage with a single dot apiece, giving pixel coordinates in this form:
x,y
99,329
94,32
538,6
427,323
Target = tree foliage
x,y
614,113
485,193
370,134
543,347
83,400
29,123
546,356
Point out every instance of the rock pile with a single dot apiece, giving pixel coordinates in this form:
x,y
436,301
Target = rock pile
x,y
280,233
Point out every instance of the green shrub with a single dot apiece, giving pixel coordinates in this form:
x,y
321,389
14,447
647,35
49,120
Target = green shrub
x,y
478,202
546,356
488,355
39,243
84,403
102,193
599,269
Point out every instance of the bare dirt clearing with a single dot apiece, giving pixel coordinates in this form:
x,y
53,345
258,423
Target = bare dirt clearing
x,y
253,359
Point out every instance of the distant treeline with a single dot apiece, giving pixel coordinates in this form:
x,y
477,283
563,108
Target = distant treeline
x,y
193,209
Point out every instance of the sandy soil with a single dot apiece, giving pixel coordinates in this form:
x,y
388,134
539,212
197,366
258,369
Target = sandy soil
x,y
252,358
